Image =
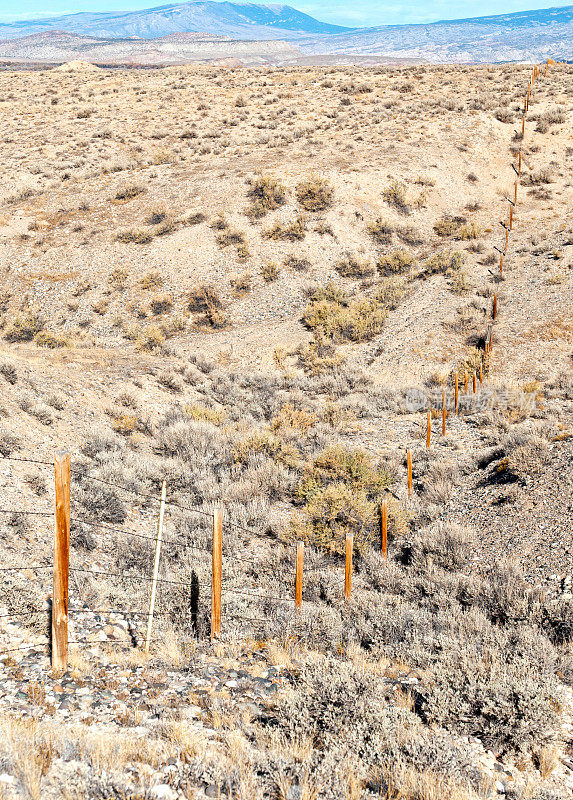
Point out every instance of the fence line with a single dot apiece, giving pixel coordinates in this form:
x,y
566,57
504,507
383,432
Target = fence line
x,y
60,610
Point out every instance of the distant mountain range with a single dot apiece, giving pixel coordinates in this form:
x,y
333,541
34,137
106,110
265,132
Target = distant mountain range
x,y
212,31
239,20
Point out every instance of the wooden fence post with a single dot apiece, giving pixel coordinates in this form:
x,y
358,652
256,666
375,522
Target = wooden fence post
x,y
515,185
494,309
474,383
511,218
409,463
519,163
429,429
298,577
61,562
481,373
216,574
501,264
384,525
465,382
457,394
348,567
156,565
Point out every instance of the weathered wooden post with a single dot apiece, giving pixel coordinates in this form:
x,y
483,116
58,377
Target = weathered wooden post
x,y
61,562
348,567
298,577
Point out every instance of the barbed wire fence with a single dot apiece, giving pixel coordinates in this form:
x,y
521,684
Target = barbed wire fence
x,y
201,596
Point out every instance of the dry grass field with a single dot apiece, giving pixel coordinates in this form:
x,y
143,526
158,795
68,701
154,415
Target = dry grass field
x,y
254,284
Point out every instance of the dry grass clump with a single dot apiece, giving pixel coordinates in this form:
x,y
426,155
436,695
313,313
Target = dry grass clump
x,y
294,230
270,271
457,227
357,321
134,236
203,298
445,262
315,194
24,326
352,267
381,231
395,263
51,340
395,195
266,194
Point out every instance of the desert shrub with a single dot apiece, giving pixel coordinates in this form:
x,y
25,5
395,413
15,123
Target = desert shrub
x,y
118,278
23,327
195,218
381,231
358,321
151,280
267,194
129,192
314,194
228,237
9,372
170,380
291,419
198,411
390,292
504,115
100,502
495,686
351,267
319,356
445,262
339,491
8,442
445,545
217,317
270,272
440,479
297,263
102,441
468,231
51,340
263,442
134,235
395,195
328,291
197,443
161,303
295,230
542,176
449,225
395,262
203,297
242,283
150,338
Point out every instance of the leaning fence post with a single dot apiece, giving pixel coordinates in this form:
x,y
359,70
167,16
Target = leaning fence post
x,y
216,574
61,562
384,526
156,565
429,429
298,578
348,567
409,463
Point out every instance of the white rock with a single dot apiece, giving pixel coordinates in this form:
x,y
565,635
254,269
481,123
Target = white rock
x,y
163,792
7,780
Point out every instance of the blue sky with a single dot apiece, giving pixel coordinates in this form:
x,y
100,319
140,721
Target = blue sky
x,y
342,12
